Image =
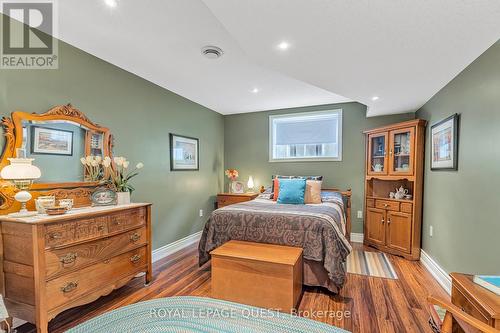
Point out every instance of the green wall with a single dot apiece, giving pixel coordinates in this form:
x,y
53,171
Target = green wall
x,y
246,149
140,116
462,206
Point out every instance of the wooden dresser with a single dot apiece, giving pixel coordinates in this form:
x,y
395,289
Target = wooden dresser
x,y
394,159
53,263
474,300
226,199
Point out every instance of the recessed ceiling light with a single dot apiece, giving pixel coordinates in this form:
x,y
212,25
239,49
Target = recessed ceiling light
x,y
375,98
212,52
111,3
283,45
255,90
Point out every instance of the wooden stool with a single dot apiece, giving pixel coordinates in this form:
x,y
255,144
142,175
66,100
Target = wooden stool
x,y
263,275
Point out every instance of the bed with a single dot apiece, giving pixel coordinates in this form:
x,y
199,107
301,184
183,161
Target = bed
x,y
322,230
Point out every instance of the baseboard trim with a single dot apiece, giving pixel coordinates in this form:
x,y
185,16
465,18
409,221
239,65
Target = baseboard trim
x,y
437,271
173,247
357,237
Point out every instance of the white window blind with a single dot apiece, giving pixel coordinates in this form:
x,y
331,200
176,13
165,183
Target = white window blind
x,y
306,136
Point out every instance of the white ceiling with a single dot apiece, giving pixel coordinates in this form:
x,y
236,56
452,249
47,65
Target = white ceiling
x,y
402,51
161,41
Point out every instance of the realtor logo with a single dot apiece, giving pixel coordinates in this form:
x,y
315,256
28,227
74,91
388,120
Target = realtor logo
x,y
27,31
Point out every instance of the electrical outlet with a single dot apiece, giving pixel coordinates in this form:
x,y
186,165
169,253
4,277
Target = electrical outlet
x,y
360,214
431,231
201,212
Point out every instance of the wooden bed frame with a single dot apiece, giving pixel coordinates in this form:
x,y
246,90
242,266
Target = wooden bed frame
x,y
347,193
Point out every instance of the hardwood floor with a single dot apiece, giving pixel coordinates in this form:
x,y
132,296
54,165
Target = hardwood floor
x,y
374,304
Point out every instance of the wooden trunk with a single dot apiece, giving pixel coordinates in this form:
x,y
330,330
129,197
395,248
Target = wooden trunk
x,y
262,275
53,263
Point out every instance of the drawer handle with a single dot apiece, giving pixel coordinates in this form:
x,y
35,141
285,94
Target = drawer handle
x,y
135,237
100,228
55,235
69,258
115,222
386,205
70,286
135,258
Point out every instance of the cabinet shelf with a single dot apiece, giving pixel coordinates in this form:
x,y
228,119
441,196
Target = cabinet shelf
x,y
388,199
384,177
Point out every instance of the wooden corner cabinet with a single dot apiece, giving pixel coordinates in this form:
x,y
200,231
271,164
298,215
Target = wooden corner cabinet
x,y
394,159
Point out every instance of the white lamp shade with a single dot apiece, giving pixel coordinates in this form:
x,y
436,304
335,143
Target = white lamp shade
x,y
20,169
250,183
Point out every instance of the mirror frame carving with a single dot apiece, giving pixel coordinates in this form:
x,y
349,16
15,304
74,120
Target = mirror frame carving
x,y
13,132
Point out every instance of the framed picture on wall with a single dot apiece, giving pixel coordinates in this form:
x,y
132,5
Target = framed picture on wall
x,y
184,153
51,141
444,144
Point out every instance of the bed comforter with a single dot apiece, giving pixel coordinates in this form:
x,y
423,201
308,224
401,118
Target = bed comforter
x,y
319,229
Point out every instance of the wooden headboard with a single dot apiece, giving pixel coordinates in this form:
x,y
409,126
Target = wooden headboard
x,y
347,193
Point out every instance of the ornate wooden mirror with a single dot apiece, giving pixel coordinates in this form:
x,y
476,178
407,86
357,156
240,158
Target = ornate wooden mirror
x,y
57,140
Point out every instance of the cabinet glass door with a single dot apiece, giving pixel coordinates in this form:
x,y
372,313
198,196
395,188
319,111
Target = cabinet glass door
x,y
401,152
377,150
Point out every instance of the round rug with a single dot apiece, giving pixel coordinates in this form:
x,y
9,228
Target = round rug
x,y
198,314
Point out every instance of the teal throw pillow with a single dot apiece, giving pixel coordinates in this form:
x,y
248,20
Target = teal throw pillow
x,y
292,191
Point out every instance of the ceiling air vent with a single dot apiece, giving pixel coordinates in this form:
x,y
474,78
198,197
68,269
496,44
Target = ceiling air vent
x,y
212,52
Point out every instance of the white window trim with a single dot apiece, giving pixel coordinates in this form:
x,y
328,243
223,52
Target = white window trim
x,y
306,159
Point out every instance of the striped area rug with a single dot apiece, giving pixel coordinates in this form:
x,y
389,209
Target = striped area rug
x,y
370,263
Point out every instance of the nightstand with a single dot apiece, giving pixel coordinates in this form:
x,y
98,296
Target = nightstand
x,y
475,300
226,199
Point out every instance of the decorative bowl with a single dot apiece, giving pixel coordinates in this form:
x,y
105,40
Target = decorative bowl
x,y
68,203
44,202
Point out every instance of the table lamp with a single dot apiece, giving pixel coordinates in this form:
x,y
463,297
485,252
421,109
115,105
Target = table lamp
x,y
21,172
250,184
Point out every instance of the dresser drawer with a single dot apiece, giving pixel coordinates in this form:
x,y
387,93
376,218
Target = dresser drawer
x,y
370,203
386,204
407,207
127,219
64,233
72,286
66,260
226,200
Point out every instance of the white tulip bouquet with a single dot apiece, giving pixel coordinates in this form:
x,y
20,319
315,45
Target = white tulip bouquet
x,y
113,171
94,170
119,173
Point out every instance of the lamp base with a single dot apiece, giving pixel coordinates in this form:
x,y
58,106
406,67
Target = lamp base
x,y
23,197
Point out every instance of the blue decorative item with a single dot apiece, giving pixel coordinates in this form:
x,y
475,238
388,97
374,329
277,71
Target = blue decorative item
x,y
198,314
292,191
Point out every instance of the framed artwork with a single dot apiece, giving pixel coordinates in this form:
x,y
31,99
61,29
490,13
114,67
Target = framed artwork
x,y
184,153
51,141
237,187
444,144
103,197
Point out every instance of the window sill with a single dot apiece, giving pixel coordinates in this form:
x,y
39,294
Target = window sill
x,y
325,159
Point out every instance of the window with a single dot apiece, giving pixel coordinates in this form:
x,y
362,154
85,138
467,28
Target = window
x,y
311,136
